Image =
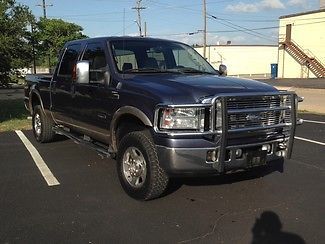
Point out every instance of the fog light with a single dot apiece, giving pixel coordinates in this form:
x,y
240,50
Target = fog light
x,y
238,153
267,147
211,156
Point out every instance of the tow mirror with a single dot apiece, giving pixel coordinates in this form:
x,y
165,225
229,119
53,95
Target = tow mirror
x,y
82,72
223,70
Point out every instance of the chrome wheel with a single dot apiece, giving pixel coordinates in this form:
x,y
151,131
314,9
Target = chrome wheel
x,y
37,124
134,167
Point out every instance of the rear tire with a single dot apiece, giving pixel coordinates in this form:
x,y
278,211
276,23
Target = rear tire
x,y
42,125
138,167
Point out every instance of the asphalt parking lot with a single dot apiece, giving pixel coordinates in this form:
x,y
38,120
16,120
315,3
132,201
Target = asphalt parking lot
x,y
283,203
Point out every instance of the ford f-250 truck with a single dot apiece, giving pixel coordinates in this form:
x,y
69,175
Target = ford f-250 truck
x,y
161,110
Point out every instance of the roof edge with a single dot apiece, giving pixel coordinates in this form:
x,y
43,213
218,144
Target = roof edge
x,y
302,13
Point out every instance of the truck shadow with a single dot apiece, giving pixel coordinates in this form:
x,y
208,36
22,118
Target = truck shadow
x,y
268,229
176,183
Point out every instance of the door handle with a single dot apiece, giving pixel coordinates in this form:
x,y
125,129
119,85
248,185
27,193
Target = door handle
x,y
101,116
115,95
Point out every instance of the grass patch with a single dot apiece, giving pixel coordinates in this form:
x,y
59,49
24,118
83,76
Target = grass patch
x,y
13,115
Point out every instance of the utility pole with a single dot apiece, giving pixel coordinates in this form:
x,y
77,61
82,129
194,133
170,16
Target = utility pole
x,y
44,5
204,28
33,48
138,8
145,28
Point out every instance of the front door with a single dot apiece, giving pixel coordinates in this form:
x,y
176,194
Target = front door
x,y
92,102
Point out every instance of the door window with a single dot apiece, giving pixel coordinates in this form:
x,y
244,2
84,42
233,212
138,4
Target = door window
x,y
69,60
95,54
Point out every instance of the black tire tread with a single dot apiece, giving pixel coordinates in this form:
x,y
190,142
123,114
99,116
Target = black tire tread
x,y
159,179
47,134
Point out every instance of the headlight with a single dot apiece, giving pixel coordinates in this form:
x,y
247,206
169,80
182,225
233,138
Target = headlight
x,y
182,119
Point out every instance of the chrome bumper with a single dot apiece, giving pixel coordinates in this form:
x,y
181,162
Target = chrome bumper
x,y
192,161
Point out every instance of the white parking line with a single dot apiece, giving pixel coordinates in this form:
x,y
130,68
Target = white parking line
x,y
41,165
312,141
314,121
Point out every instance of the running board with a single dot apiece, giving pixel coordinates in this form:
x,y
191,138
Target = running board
x,y
101,149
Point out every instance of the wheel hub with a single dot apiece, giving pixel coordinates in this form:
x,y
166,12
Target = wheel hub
x,y
37,124
134,167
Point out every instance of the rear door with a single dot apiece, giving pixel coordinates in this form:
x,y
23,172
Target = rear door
x,y
62,84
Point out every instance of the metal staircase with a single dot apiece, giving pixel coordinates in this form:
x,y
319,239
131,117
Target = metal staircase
x,y
303,57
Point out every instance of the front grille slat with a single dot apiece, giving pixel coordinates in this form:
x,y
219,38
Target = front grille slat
x,y
258,111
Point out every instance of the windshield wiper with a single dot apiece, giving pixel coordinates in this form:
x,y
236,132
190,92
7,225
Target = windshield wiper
x,y
192,71
149,70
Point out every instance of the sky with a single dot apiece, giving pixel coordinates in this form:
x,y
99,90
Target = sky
x,y
241,22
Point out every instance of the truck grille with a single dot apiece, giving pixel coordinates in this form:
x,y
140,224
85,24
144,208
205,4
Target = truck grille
x,y
253,102
258,112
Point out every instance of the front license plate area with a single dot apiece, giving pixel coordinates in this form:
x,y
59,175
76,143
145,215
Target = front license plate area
x,y
256,158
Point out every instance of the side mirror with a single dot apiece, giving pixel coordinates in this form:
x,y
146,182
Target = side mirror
x,y
223,70
82,72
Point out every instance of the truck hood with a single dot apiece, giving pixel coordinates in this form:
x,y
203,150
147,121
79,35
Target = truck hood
x,y
192,88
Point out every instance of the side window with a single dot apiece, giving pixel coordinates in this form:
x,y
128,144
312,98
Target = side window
x,y
95,54
69,60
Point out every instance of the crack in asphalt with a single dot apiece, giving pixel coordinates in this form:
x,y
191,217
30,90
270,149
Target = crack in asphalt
x,y
229,213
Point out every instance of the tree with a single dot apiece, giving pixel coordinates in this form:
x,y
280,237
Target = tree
x,y
51,36
15,48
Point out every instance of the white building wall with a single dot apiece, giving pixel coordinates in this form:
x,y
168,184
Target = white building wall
x,y
308,31
242,60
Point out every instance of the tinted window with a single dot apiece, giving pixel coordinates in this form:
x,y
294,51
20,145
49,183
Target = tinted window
x,y
95,54
125,59
134,56
183,58
69,60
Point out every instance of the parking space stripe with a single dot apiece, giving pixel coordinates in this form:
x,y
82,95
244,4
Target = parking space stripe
x,y
314,121
308,140
41,165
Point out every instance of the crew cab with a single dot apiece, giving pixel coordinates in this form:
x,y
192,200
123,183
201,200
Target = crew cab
x,y
161,110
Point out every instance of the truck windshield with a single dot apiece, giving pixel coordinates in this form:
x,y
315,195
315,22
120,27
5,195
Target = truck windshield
x,y
146,56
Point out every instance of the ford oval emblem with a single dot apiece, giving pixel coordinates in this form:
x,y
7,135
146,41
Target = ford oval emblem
x,y
253,117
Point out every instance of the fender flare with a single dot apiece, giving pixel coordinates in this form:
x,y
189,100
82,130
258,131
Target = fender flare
x,y
34,91
130,110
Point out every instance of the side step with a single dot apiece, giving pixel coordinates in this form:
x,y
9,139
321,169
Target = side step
x,y
101,149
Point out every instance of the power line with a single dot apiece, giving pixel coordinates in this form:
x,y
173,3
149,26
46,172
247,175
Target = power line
x,y
240,28
229,31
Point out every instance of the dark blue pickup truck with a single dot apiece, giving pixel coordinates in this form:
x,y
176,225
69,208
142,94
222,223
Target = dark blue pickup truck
x,y
161,110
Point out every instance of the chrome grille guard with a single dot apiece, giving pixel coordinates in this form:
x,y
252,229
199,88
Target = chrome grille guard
x,y
224,131
289,121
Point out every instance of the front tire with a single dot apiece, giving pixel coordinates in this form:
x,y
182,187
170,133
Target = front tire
x,y
138,167
42,125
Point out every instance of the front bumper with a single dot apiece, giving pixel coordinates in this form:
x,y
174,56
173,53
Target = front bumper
x,y
191,155
193,161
